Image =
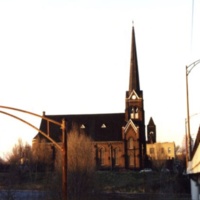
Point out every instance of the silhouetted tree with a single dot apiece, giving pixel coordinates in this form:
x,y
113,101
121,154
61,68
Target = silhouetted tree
x,y
81,163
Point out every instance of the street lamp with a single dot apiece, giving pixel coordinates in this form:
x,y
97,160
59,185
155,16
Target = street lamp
x,y
188,70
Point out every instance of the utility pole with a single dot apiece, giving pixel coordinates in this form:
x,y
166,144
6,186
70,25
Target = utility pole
x,y
64,160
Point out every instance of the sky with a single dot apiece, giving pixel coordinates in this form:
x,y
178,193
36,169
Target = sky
x,y
73,57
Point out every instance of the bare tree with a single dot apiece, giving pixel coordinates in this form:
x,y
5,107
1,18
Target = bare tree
x,y
42,156
81,163
20,155
17,162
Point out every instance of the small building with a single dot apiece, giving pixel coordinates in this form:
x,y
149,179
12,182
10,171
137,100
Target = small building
x,y
161,150
160,154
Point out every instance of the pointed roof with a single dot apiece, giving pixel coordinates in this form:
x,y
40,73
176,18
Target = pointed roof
x,y
151,122
134,83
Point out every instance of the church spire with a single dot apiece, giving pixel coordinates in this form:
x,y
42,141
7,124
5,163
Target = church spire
x,y
134,83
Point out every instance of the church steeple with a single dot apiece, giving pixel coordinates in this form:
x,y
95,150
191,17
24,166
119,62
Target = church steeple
x,y
134,96
134,83
134,114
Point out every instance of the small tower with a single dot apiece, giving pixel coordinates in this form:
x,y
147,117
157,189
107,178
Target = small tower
x,y
134,131
151,131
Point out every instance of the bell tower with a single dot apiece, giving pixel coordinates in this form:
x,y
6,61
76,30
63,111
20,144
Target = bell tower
x,y
134,111
151,131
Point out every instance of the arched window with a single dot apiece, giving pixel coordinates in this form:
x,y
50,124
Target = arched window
x,y
130,143
134,112
102,156
116,156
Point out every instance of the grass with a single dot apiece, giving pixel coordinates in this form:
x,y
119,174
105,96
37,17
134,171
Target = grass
x,y
134,182
26,181
117,183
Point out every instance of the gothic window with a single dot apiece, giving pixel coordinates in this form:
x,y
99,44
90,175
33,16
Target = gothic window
x,y
116,156
162,150
130,143
134,112
102,156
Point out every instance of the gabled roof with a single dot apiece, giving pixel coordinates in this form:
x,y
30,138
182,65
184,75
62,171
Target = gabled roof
x,y
133,93
100,127
131,124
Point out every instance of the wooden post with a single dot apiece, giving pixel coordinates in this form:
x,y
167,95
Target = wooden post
x,y
64,161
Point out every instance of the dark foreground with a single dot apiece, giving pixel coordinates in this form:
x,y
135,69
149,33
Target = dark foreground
x,y
103,185
41,195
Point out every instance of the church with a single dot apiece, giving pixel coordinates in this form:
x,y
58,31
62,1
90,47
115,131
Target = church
x,y
119,138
